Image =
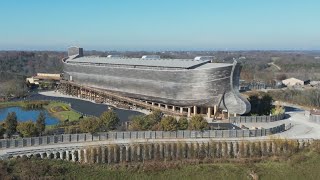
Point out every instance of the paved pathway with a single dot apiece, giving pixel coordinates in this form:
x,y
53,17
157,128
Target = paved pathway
x,y
301,126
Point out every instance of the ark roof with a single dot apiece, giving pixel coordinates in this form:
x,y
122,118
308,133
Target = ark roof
x,y
166,63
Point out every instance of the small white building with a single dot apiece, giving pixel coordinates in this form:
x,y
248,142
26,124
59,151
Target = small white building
x,y
150,57
293,82
115,56
203,58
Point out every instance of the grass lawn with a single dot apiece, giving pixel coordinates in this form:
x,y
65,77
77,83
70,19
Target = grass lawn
x,y
11,104
304,165
62,111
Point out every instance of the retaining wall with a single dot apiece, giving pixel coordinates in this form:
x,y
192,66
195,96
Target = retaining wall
x,y
256,119
72,138
164,151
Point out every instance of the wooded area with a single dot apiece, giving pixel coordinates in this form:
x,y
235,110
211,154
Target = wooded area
x,y
15,66
265,66
307,97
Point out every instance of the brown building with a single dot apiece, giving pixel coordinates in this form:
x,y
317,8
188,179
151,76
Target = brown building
x,y
44,80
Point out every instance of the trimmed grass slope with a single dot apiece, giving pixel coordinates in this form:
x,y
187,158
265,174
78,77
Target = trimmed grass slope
x,y
304,165
62,111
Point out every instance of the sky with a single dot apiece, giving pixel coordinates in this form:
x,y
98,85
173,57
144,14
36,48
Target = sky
x,y
160,24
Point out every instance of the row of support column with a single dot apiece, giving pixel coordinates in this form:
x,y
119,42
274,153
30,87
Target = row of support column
x,y
209,111
92,95
69,155
88,94
175,151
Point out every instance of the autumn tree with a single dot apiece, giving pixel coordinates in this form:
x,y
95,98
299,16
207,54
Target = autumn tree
x,y
197,122
146,122
11,123
141,123
278,109
183,123
27,129
155,116
138,123
41,123
169,123
89,125
109,120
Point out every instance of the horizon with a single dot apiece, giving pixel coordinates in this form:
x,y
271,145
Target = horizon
x,y
160,25
168,50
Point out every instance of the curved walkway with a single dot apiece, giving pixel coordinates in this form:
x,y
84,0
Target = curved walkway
x,y
301,127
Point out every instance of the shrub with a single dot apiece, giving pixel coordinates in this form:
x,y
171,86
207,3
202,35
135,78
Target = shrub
x,y
141,123
169,123
109,120
89,125
197,122
146,122
277,110
183,123
27,129
155,116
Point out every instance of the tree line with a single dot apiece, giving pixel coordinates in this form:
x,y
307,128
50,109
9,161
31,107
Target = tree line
x,y
35,104
11,126
157,121
106,122
154,121
31,62
15,66
306,97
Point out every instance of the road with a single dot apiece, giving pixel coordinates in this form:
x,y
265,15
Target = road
x,y
273,64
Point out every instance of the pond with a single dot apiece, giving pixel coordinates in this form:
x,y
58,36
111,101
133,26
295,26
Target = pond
x,y
26,115
86,107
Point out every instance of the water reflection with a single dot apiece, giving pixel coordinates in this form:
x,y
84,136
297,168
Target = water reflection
x,y
26,115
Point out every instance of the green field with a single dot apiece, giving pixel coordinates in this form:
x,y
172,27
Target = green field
x,y
304,165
